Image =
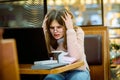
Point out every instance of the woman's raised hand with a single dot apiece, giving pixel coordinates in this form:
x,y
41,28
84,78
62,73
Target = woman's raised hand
x,y
68,20
44,23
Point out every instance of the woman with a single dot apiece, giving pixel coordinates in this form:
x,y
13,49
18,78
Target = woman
x,y
62,35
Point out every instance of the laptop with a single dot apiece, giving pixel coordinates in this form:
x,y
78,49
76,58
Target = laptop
x,y
31,46
30,43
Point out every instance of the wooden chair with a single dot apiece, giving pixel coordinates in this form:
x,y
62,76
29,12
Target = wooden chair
x,y
99,71
9,66
1,32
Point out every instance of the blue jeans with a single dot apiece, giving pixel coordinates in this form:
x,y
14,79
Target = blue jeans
x,y
70,75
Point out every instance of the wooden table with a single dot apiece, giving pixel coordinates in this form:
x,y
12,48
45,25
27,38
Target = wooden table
x,y
26,69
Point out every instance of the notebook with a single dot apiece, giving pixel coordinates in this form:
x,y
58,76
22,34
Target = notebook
x,y
48,66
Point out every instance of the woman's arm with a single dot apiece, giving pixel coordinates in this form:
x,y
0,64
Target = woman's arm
x,y
75,39
75,43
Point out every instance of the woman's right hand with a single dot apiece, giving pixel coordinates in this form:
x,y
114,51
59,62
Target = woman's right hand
x,y
44,23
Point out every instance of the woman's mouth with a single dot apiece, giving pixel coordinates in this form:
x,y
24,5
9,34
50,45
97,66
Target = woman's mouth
x,y
56,36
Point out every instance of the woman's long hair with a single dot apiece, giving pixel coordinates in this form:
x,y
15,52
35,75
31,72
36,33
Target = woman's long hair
x,y
55,15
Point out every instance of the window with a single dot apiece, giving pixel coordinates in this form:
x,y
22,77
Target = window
x,y
86,12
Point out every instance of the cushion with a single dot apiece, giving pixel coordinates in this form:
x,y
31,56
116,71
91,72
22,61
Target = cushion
x,y
93,49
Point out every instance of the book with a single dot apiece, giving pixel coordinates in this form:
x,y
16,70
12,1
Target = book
x,y
46,62
47,66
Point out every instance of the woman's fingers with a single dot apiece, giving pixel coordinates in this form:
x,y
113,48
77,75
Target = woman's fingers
x,y
68,20
63,18
68,15
44,21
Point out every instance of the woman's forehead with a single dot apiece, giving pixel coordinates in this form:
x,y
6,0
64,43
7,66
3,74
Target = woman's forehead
x,y
54,22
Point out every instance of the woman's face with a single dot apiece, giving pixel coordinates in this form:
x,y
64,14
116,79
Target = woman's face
x,y
57,30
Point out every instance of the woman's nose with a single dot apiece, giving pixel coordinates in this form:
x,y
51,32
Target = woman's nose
x,y
55,29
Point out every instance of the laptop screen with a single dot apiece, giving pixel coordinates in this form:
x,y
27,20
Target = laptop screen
x,y
30,43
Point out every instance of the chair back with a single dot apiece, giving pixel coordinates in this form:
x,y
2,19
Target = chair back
x,y
97,52
9,66
1,32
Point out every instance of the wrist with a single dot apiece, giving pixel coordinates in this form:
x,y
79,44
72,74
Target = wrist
x,y
70,27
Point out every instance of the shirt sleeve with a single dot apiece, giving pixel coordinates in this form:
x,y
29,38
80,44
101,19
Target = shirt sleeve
x,y
75,43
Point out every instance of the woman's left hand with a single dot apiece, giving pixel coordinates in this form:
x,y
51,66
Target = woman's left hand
x,y
63,58
68,20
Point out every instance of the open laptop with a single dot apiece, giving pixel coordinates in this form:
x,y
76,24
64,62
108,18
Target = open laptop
x,y
30,43
31,46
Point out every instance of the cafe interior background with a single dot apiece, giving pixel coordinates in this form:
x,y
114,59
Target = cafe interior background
x,y
30,13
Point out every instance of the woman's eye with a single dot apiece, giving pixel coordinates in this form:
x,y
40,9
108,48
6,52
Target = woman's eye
x,y
51,27
59,27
